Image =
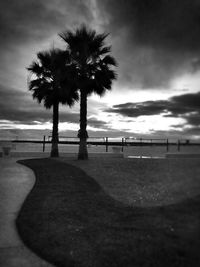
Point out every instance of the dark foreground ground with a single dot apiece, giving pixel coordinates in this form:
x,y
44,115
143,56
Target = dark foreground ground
x,y
69,220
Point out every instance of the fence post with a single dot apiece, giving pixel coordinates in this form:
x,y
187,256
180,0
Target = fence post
x,y
43,148
179,144
122,144
106,144
167,145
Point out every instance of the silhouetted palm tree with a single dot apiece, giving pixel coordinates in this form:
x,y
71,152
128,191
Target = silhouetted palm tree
x,y
95,75
53,84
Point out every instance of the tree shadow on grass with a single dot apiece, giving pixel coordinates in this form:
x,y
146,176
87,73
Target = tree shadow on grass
x,y
70,221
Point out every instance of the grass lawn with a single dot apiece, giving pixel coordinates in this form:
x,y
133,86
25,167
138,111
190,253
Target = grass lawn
x,y
144,182
70,219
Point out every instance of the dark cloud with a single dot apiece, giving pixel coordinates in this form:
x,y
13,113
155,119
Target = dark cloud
x,y
19,107
97,123
15,105
171,25
153,40
194,120
29,26
188,100
69,116
35,117
140,109
33,21
185,106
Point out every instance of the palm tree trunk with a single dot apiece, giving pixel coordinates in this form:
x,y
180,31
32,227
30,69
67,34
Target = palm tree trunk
x,y
83,153
54,144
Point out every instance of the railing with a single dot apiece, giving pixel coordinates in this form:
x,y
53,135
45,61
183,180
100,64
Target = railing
x,y
115,142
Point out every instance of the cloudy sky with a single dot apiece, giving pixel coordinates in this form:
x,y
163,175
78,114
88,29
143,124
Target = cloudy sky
x,y
156,44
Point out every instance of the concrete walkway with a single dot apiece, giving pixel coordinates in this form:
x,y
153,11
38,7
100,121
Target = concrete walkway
x,y
16,182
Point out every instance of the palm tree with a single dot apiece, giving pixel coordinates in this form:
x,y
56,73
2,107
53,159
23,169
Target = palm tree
x,y
53,84
95,74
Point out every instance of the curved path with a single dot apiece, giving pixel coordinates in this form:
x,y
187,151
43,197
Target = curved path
x,y
16,182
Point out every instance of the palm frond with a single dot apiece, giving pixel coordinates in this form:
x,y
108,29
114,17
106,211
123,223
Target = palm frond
x,y
105,50
45,59
40,90
109,60
70,98
35,83
69,37
35,68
